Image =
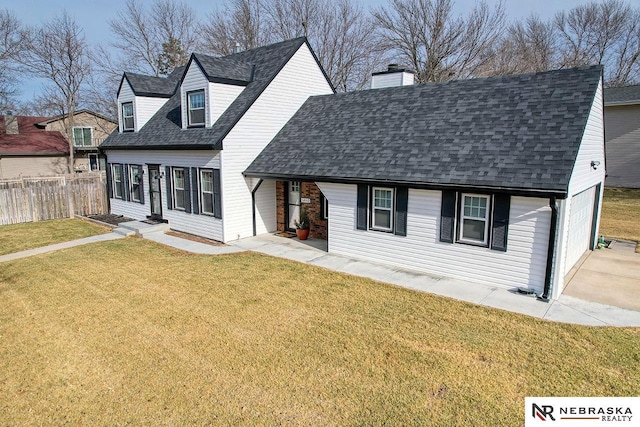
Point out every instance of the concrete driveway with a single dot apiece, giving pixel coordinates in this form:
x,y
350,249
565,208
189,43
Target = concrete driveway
x,y
609,276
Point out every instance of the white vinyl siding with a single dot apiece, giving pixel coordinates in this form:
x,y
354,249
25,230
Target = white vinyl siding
x,y
146,107
266,207
221,96
300,78
201,225
584,176
623,140
392,79
523,265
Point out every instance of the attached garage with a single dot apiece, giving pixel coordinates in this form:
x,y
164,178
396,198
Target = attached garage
x,y
580,226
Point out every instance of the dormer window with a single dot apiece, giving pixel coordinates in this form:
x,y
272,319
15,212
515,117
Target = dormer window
x,y
195,105
127,116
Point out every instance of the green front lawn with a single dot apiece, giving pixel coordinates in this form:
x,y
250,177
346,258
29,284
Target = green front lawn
x,y
148,335
30,235
621,214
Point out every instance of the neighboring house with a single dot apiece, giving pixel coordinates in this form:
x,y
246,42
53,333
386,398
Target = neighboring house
x,y
184,141
89,130
27,149
495,180
622,132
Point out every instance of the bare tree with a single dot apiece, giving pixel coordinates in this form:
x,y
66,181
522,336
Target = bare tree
x,y
427,36
141,32
12,44
58,52
606,33
240,24
339,32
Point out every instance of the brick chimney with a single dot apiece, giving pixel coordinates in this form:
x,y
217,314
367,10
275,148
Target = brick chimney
x,y
394,76
11,124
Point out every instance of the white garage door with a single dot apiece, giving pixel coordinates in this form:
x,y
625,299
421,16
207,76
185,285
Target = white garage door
x,y
580,220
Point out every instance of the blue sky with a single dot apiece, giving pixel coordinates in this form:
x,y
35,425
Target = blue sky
x,y
94,15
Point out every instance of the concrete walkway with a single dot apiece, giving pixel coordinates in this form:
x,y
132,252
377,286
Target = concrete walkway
x,y
58,246
567,309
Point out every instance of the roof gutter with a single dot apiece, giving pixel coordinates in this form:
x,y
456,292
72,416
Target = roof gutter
x,y
548,277
528,192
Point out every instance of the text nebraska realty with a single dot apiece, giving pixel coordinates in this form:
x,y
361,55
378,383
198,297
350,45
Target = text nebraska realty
x,y
610,413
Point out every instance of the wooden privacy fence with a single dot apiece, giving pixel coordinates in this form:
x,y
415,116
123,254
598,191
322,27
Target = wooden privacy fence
x,y
42,198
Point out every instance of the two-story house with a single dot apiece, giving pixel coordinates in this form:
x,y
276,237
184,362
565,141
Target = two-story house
x,y
184,140
494,180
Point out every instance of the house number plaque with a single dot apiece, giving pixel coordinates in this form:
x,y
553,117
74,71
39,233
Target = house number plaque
x,y
305,200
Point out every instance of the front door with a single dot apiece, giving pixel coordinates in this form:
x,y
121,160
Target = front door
x,y
293,203
155,195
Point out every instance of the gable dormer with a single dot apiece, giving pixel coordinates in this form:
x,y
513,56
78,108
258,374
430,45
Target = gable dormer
x,y
140,97
209,87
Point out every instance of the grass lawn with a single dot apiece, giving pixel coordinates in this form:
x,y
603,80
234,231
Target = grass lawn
x,y
621,214
20,237
145,334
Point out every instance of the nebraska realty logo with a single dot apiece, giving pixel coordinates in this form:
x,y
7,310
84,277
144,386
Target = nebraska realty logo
x,y
582,411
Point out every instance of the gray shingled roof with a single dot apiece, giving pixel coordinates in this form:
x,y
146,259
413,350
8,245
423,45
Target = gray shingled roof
x,y
154,86
226,68
622,95
514,132
164,129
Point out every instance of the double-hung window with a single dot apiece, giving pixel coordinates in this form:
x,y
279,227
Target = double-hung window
x,y
117,181
206,191
474,219
178,189
195,108
127,116
382,209
82,136
135,172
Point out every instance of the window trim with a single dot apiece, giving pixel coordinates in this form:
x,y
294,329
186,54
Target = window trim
x,y
124,117
73,132
373,208
175,189
189,109
462,217
201,192
117,184
132,178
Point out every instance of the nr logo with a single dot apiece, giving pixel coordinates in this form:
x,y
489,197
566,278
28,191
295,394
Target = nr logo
x,y
543,412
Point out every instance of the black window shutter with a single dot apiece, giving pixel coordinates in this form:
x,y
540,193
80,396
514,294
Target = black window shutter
x,y
187,190
141,181
109,181
402,202
195,200
321,215
447,216
122,182
501,207
126,195
217,195
168,179
361,213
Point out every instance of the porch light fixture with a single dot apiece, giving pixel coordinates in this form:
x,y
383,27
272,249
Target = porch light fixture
x,y
595,164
